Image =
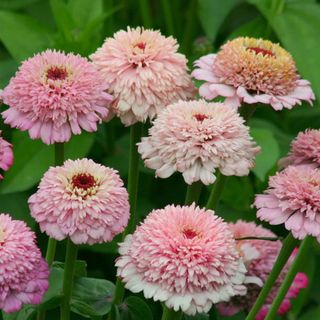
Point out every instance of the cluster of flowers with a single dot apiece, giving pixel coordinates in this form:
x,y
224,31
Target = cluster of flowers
x,y
186,257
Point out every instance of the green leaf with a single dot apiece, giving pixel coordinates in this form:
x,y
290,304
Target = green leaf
x,y
80,268
203,316
254,28
212,13
26,313
297,26
312,314
33,158
92,297
269,154
22,35
135,308
16,4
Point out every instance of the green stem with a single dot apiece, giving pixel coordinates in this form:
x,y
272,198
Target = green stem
x,y
285,252
193,193
145,13
71,256
216,191
294,268
167,12
259,238
169,314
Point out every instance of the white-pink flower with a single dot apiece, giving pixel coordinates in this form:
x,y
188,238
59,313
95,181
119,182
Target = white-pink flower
x,y
6,155
145,73
248,70
82,200
185,257
196,138
55,95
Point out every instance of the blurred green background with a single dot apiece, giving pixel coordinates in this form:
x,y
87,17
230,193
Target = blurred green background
x,y
200,26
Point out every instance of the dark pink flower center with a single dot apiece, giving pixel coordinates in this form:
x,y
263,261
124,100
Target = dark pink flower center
x,y
141,45
83,181
200,117
57,73
264,52
189,233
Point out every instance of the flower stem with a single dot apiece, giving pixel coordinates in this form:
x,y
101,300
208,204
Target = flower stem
x,y
71,257
216,191
285,252
304,249
193,192
259,238
169,314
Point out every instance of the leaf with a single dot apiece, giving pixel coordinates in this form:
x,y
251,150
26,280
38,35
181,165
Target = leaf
x,y
135,308
16,4
212,13
269,154
80,268
254,28
312,314
202,316
297,27
33,158
26,313
22,35
92,297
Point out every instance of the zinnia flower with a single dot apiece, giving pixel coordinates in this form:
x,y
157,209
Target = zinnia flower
x,y
82,200
145,73
23,272
305,150
195,138
293,198
53,95
183,256
259,257
252,71
6,155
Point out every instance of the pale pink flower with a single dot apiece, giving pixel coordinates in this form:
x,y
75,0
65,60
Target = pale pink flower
x,y
6,155
82,200
23,272
248,70
196,138
54,95
259,257
145,73
305,150
185,257
293,198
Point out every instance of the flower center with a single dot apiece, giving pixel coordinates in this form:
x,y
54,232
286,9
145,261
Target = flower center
x,y
83,181
2,234
141,45
264,52
57,73
189,233
200,117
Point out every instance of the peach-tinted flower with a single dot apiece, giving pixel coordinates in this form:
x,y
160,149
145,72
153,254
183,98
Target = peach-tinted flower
x,y
248,70
23,272
145,73
6,155
185,257
82,200
197,137
54,95
293,198
259,257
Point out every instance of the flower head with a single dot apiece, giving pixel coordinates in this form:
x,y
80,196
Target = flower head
x,y
183,256
145,73
259,257
252,71
82,200
305,149
195,138
23,272
54,95
293,198
6,155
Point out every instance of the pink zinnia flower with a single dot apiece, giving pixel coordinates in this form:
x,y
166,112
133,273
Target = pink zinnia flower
x,y
252,71
54,95
82,200
185,257
145,73
23,272
6,155
259,257
305,149
197,137
293,198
